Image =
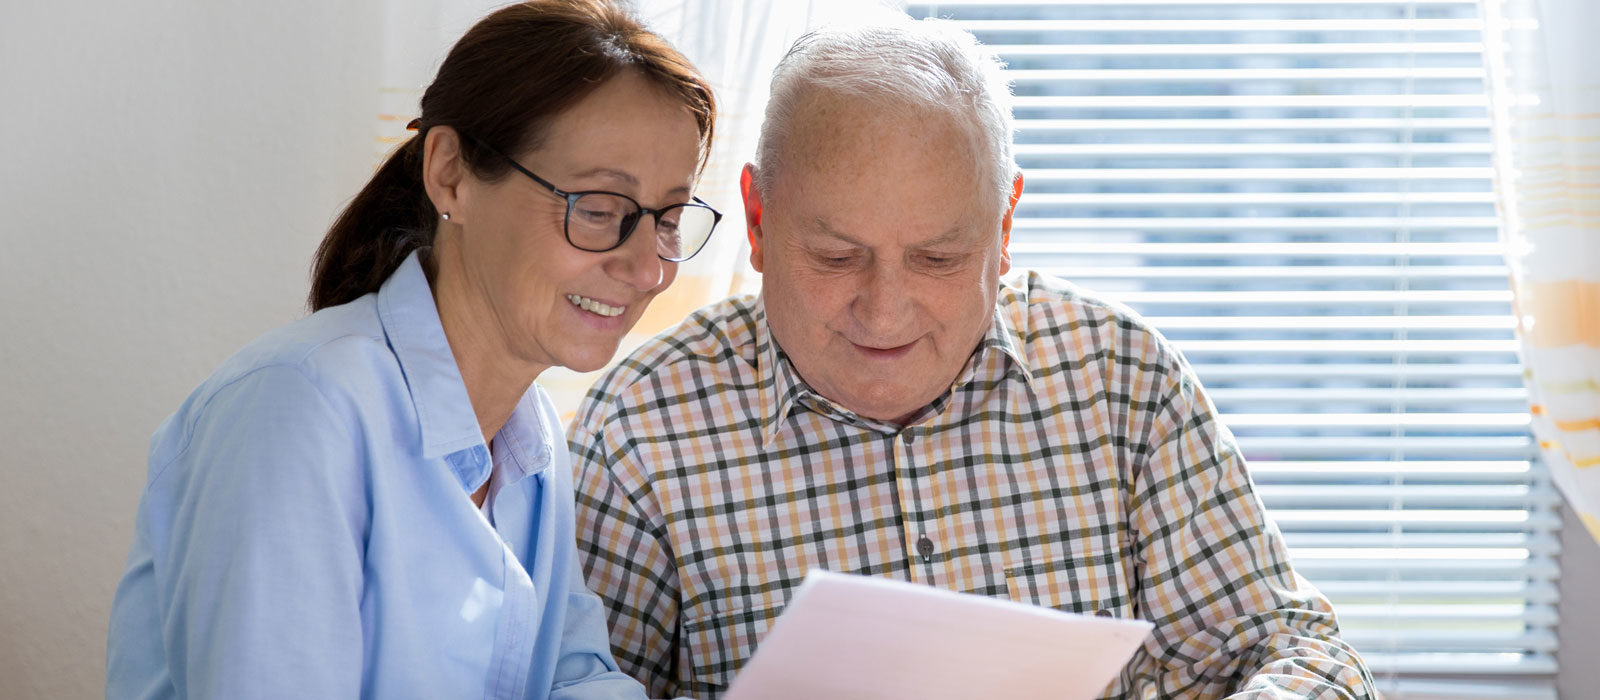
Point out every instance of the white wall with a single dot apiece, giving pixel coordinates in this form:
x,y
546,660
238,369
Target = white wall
x,y
1578,645
166,170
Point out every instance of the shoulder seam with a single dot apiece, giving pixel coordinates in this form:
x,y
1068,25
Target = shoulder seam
x,y
297,366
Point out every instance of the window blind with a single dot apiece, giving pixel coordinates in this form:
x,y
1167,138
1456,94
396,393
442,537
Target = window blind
x,y
1297,193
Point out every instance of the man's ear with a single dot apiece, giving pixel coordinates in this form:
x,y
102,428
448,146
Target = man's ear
x,y
443,171
752,213
1005,224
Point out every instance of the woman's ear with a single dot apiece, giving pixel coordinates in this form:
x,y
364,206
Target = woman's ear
x,y
443,171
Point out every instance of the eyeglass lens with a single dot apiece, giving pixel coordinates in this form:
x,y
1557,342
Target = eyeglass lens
x,y
597,221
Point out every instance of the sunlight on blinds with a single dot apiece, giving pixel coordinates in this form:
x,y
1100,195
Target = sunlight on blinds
x,y
1298,194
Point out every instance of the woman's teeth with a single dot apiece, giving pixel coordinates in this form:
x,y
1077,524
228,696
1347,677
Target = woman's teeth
x,y
593,306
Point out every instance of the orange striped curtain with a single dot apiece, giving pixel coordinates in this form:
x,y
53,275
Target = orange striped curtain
x,y
1544,73
416,36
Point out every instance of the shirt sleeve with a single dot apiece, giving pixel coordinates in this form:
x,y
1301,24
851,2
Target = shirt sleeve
x,y
585,670
262,516
1231,615
623,547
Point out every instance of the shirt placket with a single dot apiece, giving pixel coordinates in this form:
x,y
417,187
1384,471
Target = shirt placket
x,y
919,526
520,615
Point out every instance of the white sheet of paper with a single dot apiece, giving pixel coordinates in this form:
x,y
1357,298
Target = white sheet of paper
x,y
847,637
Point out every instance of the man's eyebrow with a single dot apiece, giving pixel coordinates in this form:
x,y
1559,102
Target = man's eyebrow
x,y
954,233
828,230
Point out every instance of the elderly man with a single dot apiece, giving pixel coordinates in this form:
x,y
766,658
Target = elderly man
x,y
894,404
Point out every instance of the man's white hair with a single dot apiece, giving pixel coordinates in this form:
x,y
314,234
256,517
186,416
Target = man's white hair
x,y
897,63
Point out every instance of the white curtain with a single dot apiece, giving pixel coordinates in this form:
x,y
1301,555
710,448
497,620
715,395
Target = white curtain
x,y
1544,73
417,35
735,44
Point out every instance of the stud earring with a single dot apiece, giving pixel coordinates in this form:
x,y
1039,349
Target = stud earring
x,y
445,216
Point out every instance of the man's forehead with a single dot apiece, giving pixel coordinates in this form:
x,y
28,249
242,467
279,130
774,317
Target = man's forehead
x,y
825,120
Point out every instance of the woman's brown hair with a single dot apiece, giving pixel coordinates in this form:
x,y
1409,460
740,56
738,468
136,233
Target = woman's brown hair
x,y
502,83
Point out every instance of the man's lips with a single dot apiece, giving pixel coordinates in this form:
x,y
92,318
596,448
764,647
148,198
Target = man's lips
x,y
889,353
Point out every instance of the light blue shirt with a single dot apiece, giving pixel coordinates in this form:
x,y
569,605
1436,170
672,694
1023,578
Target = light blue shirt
x,y
306,530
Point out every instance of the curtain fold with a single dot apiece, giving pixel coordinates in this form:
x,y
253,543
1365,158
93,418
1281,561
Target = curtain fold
x,y
735,44
416,36
1545,106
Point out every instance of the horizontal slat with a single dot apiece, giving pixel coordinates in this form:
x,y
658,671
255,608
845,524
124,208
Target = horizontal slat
x,y
1408,397
1188,126
1375,420
1535,615
1459,664
1536,568
1496,469
1542,593
1292,520
1222,199
1513,510
924,6
1324,48
1364,639
1232,101
1230,25
1366,555
1036,176
1210,75
1321,348
1505,372
1317,297
1323,497
1411,446
1035,243
1393,688
1307,273
1233,150
1325,323
1445,543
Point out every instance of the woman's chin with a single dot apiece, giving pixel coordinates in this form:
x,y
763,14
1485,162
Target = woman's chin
x,y
587,359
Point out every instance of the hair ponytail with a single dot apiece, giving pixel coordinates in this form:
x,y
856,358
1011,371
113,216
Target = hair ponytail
x,y
388,219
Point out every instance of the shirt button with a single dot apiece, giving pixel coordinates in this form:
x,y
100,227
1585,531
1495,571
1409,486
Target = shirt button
x,y
906,438
1103,613
925,547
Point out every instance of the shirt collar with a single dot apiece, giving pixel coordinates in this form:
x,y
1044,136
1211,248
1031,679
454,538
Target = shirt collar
x,y
782,387
1005,336
527,439
411,323
779,383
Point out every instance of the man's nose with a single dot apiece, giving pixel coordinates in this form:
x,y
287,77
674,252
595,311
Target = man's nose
x,y
883,304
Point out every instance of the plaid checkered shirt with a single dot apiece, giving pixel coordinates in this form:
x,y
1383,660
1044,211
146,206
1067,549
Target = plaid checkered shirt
x,y
1074,463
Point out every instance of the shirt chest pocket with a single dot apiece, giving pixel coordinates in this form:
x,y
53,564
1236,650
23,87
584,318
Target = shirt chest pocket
x,y
1092,584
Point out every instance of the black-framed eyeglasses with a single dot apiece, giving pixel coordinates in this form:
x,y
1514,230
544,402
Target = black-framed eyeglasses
x,y
598,221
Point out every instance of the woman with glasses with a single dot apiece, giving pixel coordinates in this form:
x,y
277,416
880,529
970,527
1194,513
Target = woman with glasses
x,y
375,501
